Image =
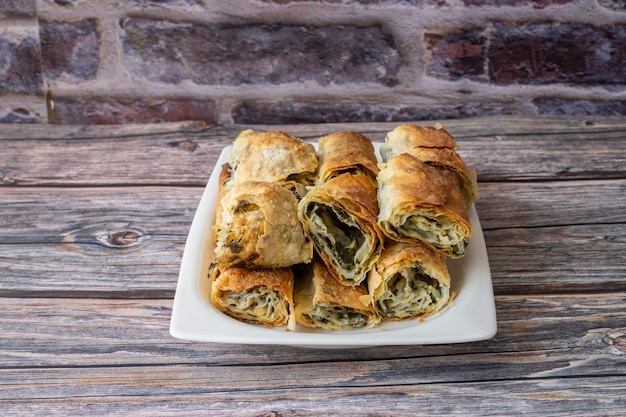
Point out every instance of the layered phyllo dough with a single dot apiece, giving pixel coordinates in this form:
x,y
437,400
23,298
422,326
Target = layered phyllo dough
x,y
346,152
257,225
420,202
433,146
340,217
410,280
260,296
322,301
272,157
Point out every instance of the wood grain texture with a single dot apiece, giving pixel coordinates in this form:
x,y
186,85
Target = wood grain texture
x,y
130,239
62,332
184,154
541,398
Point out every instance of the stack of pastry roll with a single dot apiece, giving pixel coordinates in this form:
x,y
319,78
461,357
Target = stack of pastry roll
x,y
424,192
258,236
339,214
333,239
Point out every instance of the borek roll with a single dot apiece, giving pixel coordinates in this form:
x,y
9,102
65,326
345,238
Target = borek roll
x,y
346,151
257,226
260,296
272,157
435,147
420,202
410,280
340,217
322,301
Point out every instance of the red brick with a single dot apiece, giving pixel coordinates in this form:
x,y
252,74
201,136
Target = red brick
x,y
20,64
557,106
457,55
261,112
258,54
558,53
540,53
21,8
111,111
70,50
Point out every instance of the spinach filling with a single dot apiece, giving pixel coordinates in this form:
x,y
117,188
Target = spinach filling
x,y
336,232
409,293
257,302
340,316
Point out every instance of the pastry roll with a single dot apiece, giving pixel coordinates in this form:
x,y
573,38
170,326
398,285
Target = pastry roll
x,y
410,280
405,137
272,157
435,147
322,301
420,202
348,151
339,216
262,296
257,226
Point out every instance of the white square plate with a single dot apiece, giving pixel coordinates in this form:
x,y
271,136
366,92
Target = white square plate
x,y
470,317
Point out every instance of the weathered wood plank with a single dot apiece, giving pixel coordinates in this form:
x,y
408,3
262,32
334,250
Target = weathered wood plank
x,y
19,132
467,127
48,215
553,334
561,203
94,215
184,379
561,258
536,260
89,240
543,397
184,155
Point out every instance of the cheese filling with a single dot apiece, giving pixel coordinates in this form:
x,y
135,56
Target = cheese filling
x,y
439,231
338,235
258,303
409,293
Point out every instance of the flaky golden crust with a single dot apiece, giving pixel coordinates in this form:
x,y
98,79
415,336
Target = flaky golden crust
x,y
434,147
445,158
346,151
409,187
272,157
241,280
354,195
321,288
397,258
257,226
405,137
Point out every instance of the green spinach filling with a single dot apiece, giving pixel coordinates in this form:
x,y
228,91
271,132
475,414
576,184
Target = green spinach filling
x,y
340,316
335,231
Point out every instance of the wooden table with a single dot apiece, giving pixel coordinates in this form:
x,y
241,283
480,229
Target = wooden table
x,y
93,222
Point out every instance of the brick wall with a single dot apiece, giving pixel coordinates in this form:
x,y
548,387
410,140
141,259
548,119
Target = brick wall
x,y
291,61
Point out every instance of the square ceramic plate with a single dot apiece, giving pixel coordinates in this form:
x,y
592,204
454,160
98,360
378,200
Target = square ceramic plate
x,y
470,317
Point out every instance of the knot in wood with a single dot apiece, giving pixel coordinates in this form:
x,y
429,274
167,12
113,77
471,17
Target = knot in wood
x,y
123,238
617,342
185,145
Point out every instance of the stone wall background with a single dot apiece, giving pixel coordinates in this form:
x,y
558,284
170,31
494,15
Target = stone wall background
x,y
291,61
